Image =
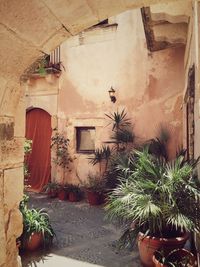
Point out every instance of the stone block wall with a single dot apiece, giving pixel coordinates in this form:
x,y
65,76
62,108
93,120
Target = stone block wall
x,y
11,172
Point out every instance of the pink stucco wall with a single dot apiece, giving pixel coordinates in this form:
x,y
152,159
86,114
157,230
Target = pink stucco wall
x,y
148,85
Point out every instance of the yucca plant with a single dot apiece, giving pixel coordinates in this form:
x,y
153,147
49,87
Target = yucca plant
x,y
120,128
156,197
120,165
101,155
159,145
119,120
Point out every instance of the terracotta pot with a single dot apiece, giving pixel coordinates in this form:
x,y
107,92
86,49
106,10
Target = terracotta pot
x,y
148,245
66,195
94,198
177,254
74,197
34,241
62,194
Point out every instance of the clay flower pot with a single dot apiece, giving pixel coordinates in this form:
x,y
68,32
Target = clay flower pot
x,y
74,197
148,245
62,194
94,198
34,241
174,256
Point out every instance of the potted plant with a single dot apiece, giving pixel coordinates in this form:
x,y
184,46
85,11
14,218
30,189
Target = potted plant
x,y
63,192
95,188
74,193
37,229
62,159
159,201
51,189
176,258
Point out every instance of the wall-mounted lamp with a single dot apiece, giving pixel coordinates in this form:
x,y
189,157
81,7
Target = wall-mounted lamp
x,y
112,95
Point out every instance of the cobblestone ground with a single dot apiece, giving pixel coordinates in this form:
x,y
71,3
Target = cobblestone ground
x,y
84,237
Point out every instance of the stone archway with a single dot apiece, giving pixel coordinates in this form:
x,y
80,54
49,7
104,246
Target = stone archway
x,y
27,30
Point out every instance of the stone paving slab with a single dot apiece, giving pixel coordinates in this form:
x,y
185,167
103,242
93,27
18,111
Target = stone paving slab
x,y
84,237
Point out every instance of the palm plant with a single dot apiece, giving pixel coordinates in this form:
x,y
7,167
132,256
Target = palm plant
x,y
158,146
101,155
119,167
123,138
121,128
152,196
119,119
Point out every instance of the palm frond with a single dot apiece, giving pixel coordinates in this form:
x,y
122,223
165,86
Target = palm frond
x,y
155,194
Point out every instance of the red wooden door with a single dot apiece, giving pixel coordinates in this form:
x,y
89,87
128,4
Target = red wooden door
x,y
38,129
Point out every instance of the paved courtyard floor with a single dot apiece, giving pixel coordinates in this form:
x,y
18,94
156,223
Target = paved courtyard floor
x,y
84,237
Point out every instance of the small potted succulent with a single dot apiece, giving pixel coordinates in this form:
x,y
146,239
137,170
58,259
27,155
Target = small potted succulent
x,y
95,188
51,189
74,193
61,192
176,258
37,229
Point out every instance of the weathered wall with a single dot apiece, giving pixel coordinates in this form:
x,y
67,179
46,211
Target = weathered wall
x,y
11,170
27,29
148,85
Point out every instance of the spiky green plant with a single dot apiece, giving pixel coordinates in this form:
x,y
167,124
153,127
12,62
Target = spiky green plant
x,y
121,128
124,136
159,145
95,183
35,221
119,119
156,197
101,155
120,165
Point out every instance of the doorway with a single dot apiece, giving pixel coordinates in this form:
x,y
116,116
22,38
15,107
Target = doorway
x,y
38,129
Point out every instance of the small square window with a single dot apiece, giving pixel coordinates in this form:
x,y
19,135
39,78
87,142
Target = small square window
x,y
85,139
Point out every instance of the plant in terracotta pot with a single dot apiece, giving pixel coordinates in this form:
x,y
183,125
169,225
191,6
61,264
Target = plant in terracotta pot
x,y
95,188
176,258
51,189
37,229
159,201
74,193
63,192
62,158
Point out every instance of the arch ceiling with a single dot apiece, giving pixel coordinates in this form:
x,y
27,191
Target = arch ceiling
x,y
29,28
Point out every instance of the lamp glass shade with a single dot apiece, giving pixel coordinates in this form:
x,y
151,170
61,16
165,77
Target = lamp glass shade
x,y
111,92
